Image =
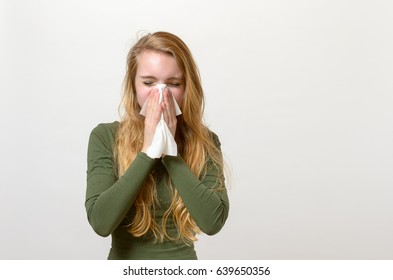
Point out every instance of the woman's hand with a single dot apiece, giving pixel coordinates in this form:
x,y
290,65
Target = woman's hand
x,y
168,107
154,111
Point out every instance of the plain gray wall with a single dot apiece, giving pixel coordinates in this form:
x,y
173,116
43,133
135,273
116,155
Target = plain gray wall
x,y
300,93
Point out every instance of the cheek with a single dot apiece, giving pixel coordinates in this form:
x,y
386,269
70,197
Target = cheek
x,y
179,95
141,95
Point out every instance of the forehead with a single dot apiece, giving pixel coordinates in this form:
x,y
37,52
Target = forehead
x,y
155,63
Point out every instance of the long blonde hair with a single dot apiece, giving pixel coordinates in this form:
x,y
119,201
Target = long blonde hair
x,y
195,142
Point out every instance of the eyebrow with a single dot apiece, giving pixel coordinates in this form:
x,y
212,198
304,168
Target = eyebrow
x,y
154,78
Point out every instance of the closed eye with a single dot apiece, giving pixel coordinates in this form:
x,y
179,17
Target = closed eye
x,y
174,84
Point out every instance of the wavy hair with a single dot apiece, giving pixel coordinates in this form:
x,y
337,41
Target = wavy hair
x,y
195,142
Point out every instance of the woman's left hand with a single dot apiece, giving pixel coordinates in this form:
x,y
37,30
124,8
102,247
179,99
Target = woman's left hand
x,y
168,107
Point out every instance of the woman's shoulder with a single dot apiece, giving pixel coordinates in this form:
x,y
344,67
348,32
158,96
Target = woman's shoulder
x,y
215,137
106,131
106,127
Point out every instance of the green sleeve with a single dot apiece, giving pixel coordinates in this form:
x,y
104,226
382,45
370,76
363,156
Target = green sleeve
x,y
108,199
206,199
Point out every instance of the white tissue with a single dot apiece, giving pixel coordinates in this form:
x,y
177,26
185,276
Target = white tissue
x,y
163,142
161,88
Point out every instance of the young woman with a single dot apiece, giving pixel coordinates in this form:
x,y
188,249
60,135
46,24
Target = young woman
x,y
154,207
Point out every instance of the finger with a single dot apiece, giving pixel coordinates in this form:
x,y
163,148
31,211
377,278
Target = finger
x,y
154,109
153,102
169,112
170,103
166,108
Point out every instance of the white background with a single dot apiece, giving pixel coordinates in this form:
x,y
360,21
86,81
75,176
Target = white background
x,y
300,93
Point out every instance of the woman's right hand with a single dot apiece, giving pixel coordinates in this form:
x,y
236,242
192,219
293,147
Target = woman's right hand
x,y
153,116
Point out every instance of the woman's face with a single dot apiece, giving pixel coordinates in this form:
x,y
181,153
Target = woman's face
x,y
158,68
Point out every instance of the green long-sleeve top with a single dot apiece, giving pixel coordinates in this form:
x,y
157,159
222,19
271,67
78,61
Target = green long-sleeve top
x,y
109,199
